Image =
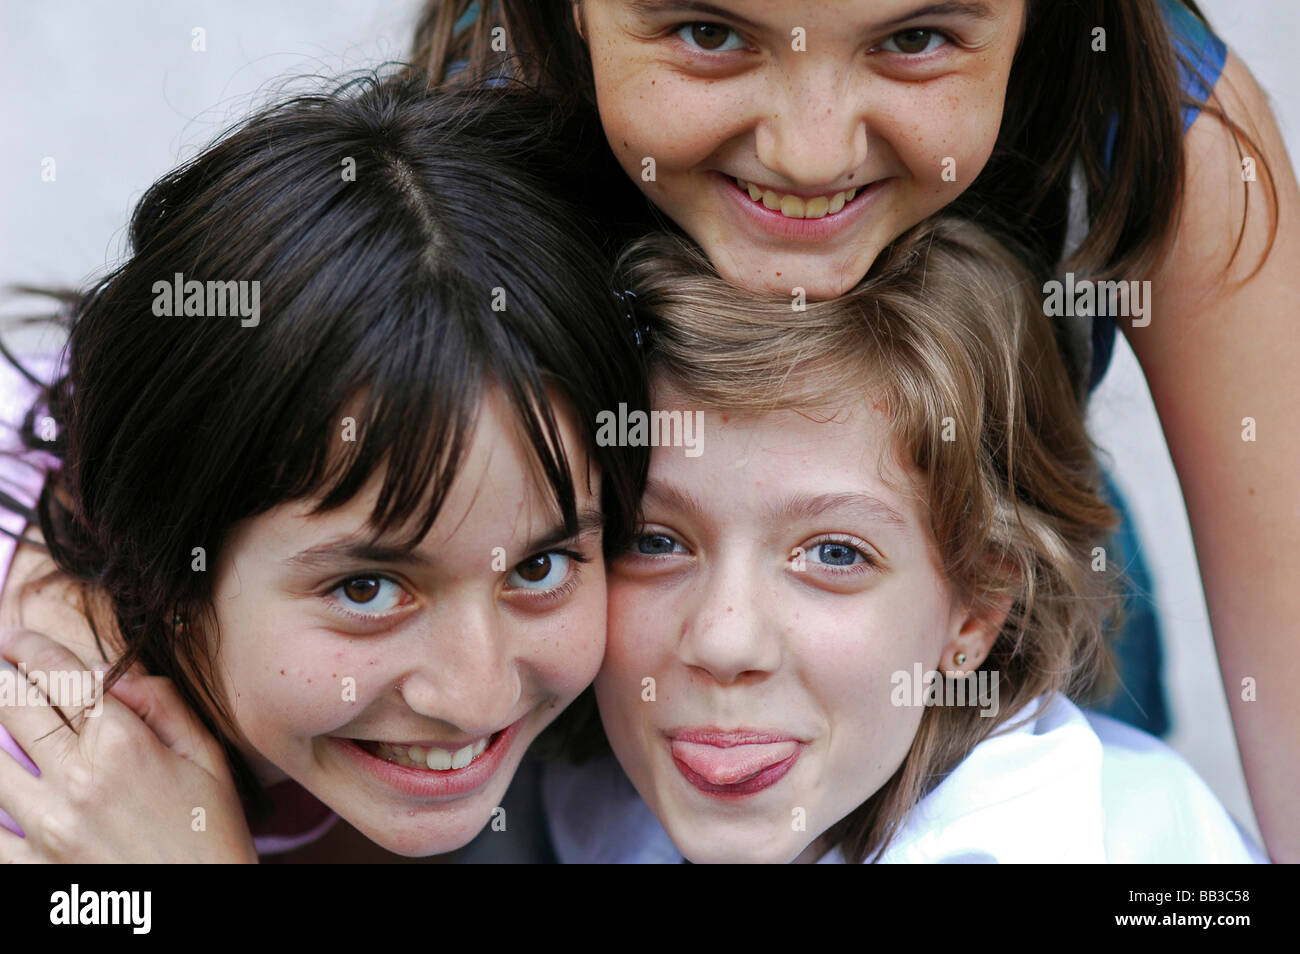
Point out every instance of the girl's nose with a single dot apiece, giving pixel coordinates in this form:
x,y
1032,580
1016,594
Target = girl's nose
x,y
465,673
814,135
731,630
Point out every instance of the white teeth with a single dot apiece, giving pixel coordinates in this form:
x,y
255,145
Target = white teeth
x,y
797,207
440,760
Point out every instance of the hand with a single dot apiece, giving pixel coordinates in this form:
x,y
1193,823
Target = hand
x,y
141,779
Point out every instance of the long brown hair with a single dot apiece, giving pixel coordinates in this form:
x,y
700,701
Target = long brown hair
x,y
950,336
378,295
1061,101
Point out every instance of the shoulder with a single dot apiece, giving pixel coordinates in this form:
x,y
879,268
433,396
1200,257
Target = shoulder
x,y
1201,53
1060,785
1156,807
1235,240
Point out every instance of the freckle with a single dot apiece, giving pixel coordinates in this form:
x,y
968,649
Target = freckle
x,y
309,680
334,675
729,609
282,672
1252,491
851,175
778,274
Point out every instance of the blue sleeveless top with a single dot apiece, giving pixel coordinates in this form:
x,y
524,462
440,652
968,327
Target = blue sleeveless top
x,y
1202,56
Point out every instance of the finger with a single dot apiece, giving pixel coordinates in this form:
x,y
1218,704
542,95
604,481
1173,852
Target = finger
x,y
20,787
158,703
17,849
9,825
61,680
26,713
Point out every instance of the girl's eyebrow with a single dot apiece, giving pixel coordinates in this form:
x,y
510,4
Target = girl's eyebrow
x,y
646,7
971,9
798,507
351,550
802,507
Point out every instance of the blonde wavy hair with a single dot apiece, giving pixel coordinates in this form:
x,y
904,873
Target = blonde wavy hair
x,y
948,333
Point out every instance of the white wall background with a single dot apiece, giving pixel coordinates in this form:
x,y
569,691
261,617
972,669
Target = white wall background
x,y
115,94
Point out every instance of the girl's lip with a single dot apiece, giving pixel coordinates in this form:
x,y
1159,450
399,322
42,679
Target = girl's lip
x,y
768,768
801,193
732,763
448,746
755,215
429,784
725,738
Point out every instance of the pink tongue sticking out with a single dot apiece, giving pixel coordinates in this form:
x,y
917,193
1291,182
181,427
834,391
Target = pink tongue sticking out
x,y
736,763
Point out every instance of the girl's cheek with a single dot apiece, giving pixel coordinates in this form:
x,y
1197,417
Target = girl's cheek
x,y
318,697
640,633
566,652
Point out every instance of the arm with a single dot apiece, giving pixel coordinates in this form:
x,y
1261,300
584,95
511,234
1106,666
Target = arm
x,y
1216,351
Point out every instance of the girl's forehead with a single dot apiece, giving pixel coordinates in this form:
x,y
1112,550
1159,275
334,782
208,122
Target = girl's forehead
x,y
760,460
499,490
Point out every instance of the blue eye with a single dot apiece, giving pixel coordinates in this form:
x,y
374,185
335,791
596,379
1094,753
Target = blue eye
x,y
655,544
711,37
914,42
838,555
368,594
545,571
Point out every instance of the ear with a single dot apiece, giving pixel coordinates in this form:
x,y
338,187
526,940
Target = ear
x,y
974,633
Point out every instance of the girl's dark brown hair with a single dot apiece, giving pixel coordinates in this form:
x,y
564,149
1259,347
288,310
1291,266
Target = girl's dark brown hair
x,y
380,301
1062,99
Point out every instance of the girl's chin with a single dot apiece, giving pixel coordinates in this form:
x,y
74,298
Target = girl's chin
x,y
418,847
780,276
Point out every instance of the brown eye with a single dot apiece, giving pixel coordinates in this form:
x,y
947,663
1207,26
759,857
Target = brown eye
x,y
535,569
361,589
710,36
913,41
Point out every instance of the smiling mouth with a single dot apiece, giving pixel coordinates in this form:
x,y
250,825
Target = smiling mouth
x,y
795,206
430,758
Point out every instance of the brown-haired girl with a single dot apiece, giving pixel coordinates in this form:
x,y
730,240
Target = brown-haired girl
x,y
845,629
793,140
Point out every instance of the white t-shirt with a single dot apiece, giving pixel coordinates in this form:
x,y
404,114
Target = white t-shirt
x,y
1062,786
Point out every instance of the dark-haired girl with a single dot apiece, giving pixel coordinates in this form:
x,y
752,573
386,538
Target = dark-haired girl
x,y
347,555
